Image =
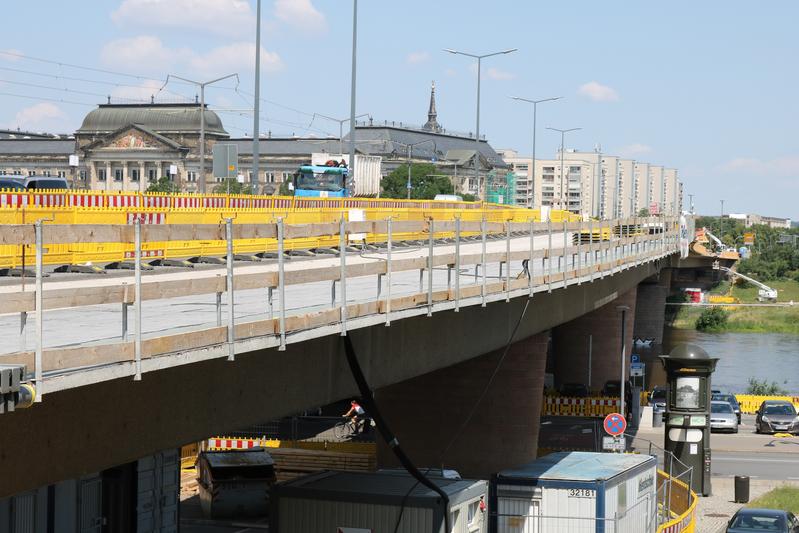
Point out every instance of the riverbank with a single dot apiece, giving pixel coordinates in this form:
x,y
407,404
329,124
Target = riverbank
x,y
761,319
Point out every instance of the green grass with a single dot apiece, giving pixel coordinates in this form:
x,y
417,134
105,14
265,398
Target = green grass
x,y
752,319
785,498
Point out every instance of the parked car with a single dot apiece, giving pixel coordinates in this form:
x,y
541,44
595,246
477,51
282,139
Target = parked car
x,y
574,390
31,183
732,400
775,416
759,520
11,183
722,417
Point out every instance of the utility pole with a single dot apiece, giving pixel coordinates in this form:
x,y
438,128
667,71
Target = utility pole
x,y
256,130
202,85
351,166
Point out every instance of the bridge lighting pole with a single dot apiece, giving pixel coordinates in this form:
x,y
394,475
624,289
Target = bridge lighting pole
x,y
256,131
562,143
202,85
479,59
351,173
410,148
535,108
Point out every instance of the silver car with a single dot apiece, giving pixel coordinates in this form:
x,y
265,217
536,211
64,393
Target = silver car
x,y
722,417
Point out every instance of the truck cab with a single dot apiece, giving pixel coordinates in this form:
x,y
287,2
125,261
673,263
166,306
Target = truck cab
x,y
321,181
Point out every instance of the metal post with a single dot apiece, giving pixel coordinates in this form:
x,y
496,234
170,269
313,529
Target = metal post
x,y
579,252
565,246
457,264
37,362
202,140
590,354
351,175
483,260
602,249
421,279
137,297
379,286
484,187
342,232
532,258
281,282
549,255
623,309
333,293
430,270
408,185
125,316
592,261
388,271
23,322
269,302
507,261
231,325
256,135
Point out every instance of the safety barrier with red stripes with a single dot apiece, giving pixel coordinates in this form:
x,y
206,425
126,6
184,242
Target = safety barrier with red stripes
x,y
562,406
233,444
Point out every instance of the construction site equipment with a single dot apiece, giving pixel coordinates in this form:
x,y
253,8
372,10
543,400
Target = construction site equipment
x,y
764,293
501,188
235,484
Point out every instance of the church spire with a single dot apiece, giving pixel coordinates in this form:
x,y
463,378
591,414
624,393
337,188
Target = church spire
x,y
432,124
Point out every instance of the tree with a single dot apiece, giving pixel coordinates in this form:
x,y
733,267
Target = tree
x,y
764,388
425,183
232,186
712,319
469,197
643,212
164,185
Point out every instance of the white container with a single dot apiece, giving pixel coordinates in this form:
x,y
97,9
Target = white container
x,y
373,502
576,492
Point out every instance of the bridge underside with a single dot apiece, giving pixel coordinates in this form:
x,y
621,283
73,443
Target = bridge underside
x,y
88,429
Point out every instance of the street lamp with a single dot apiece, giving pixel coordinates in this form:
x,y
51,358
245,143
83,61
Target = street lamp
x,y
202,85
479,59
535,107
351,173
410,147
256,131
341,122
562,141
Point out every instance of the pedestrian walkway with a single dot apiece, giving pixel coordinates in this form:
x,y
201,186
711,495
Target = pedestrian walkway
x,y
713,512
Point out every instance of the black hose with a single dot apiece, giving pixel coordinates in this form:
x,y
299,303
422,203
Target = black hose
x,y
388,436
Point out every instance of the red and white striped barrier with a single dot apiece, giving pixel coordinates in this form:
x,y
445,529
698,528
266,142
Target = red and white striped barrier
x,y
187,202
85,200
147,218
131,254
214,202
161,202
10,199
233,444
123,200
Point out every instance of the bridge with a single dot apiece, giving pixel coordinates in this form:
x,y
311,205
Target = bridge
x,y
142,359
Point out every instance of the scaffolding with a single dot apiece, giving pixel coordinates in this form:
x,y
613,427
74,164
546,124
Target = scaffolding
x,y
501,187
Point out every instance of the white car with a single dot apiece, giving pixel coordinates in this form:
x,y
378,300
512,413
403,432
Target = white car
x,y
722,417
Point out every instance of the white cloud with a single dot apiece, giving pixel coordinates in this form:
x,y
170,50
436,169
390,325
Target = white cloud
x,y
226,17
44,116
633,150
497,74
415,58
784,166
300,14
598,92
146,53
450,72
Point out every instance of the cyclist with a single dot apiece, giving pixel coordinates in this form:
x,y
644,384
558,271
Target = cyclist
x,y
356,414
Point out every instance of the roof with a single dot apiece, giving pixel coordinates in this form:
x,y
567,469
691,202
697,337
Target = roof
x,y
37,146
161,118
160,138
385,487
578,466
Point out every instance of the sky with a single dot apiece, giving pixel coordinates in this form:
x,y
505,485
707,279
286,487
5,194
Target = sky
x,y
706,87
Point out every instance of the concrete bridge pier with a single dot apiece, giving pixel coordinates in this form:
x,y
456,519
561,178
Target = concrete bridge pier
x,y
650,306
587,349
427,412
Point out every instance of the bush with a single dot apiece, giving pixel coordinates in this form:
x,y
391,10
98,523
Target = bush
x,y
764,388
712,319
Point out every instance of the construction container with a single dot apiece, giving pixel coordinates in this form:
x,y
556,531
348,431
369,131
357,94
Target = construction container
x,y
236,483
576,492
362,502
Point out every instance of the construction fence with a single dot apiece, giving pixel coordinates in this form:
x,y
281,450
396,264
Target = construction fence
x,y
750,403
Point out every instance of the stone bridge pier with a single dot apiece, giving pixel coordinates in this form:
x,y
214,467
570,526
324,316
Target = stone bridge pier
x,y
428,413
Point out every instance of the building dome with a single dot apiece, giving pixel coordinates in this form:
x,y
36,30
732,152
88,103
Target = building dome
x,y
160,118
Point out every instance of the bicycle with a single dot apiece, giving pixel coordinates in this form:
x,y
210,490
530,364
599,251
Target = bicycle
x,y
346,429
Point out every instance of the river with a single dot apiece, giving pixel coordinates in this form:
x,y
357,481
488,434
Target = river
x,y
764,356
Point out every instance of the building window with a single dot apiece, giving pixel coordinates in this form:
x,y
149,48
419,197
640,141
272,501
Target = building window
x,y
118,174
285,177
191,176
47,173
270,177
82,175
31,173
62,173
151,174
100,174
2,172
134,174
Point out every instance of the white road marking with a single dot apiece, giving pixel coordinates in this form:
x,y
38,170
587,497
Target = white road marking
x,y
745,460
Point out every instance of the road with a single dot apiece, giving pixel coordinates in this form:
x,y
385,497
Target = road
x,y
774,465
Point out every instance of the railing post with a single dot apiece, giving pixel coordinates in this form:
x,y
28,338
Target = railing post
x,y
457,264
507,261
483,260
23,322
549,254
532,258
565,246
388,271
218,306
231,324
591,252
281,281
37,362
269,302
125,313
343,275
137,296
430,269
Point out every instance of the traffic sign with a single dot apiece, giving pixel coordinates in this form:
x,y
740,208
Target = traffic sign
x,y
614,444
614,424
636,369
635,358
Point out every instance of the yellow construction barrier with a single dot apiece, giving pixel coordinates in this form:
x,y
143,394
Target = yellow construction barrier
x,y
682,502
750,403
